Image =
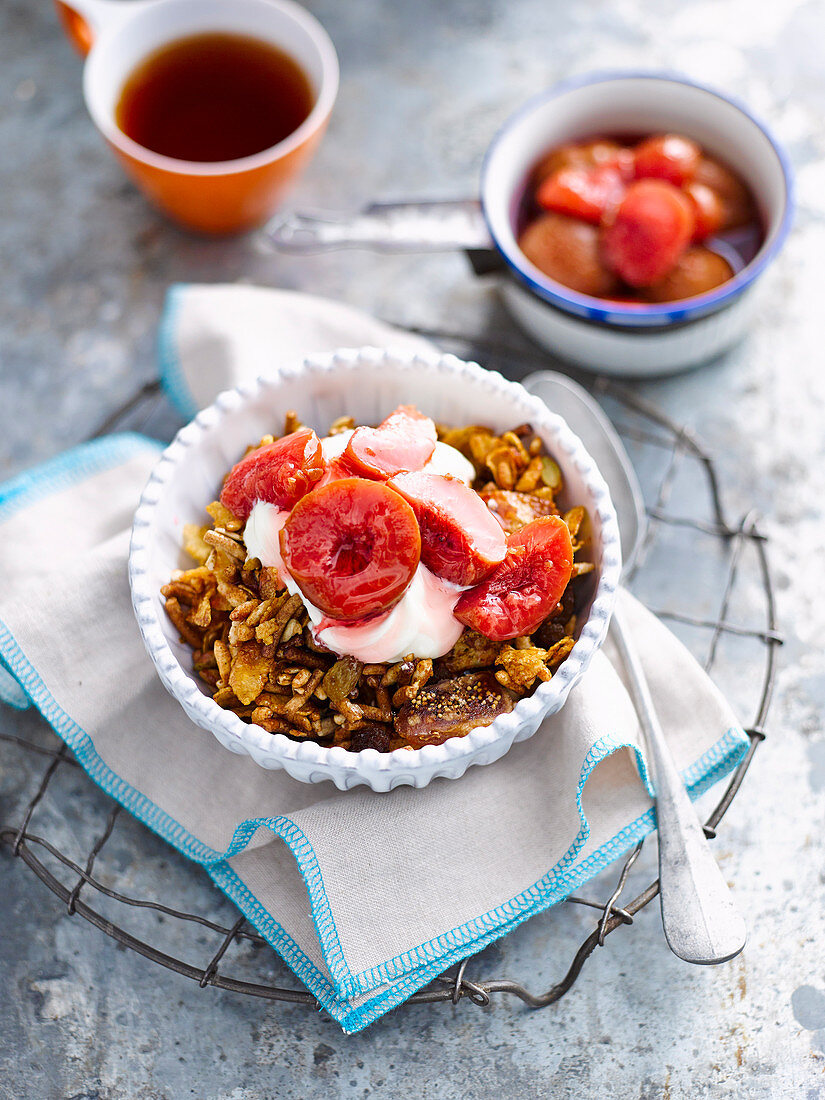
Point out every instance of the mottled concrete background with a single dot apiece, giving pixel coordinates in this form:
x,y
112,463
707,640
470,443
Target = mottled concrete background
x,y
85,265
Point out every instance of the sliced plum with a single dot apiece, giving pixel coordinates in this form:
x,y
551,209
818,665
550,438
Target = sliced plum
x,y
404,441
521,592
352,547
279,473
586,193
652,228
461,540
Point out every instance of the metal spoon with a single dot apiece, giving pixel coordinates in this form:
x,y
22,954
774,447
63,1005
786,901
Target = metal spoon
x,y
699,916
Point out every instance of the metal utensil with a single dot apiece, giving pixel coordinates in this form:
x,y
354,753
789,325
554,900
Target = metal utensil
x,y
411,226
699,916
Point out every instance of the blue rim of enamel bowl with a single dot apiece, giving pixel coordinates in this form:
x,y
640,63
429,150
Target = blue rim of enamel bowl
x,y
638,316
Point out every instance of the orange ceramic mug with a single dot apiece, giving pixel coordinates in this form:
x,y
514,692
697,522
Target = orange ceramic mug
x,y
212,197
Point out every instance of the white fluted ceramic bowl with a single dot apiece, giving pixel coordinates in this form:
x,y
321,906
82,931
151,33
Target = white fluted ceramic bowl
x,y
366,383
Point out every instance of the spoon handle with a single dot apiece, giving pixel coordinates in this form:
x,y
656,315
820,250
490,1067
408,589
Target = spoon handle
x,y
424,226
700,919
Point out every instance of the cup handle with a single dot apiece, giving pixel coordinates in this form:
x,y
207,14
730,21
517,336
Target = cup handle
x,y
83,20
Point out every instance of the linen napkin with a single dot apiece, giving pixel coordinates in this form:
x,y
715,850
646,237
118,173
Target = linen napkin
x,y
366,896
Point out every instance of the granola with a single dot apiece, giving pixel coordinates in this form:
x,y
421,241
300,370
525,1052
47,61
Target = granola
x,y
253,645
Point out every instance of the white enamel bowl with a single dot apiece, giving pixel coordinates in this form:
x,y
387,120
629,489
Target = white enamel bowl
x,y
367,384
608,336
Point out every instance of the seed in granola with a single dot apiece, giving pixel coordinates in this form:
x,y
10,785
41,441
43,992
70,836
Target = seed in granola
x,y
481,442
582,568
202,615
551,473
300,680
292,628
530,478
243,610
240,632
501,463
514,509
520,456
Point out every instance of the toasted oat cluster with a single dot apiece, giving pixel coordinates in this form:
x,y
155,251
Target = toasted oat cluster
x,y
253,646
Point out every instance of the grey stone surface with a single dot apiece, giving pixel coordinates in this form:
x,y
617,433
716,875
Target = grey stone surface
x,y
85,267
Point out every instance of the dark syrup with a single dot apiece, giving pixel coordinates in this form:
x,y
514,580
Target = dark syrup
x,y
214,97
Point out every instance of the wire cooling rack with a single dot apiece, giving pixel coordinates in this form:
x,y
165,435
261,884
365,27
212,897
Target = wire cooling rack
x,y
664,451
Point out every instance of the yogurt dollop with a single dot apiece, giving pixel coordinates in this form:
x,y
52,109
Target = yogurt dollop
x,y
422,622
449,462
262,535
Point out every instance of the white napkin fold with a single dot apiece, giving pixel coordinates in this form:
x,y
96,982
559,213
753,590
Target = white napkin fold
x,y
214,337
367,896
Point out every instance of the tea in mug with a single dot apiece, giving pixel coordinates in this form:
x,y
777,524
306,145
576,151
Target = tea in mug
x,y
214,97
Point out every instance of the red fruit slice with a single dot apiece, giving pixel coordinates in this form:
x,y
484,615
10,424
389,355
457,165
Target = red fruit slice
x,y
586,193
667,157
581,155
336,470
519,595
708,209
279,473
352,547
652,228
404,441
461,539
